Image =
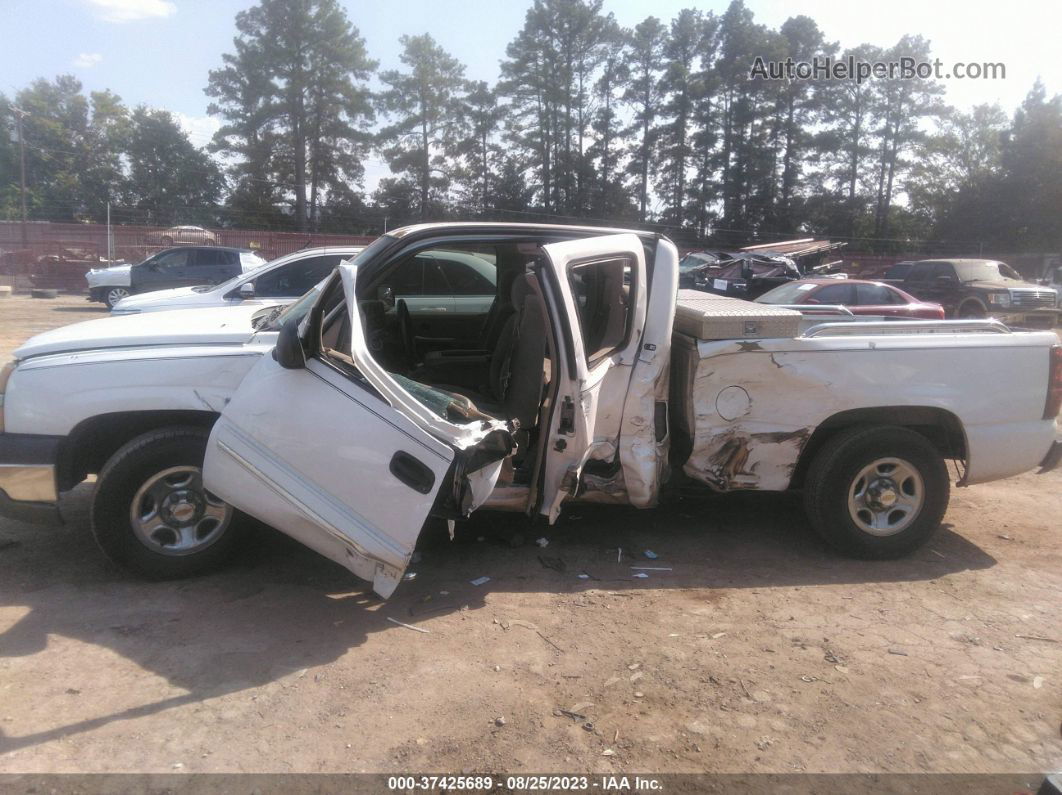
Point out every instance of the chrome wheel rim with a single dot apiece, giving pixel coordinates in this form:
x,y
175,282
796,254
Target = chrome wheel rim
x,y
886,496
116,294
172,514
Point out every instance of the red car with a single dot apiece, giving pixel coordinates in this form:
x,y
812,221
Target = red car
x,y
859,296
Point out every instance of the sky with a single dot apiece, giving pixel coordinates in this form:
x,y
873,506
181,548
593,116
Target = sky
x,y
159,52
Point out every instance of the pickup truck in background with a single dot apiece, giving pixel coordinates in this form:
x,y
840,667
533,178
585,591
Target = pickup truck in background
x,y
589,377
978,288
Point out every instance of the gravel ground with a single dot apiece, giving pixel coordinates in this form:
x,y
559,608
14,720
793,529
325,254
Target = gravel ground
x,y
759,651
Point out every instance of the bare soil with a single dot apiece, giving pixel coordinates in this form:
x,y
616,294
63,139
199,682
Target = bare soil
x,y
758,651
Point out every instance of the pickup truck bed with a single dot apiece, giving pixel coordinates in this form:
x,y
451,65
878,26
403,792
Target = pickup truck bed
x,y
754,388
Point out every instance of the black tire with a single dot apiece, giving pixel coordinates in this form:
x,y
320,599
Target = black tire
x,y
130,468
832,479
972,310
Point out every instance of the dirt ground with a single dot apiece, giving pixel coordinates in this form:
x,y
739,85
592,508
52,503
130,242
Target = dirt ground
x,y
758,651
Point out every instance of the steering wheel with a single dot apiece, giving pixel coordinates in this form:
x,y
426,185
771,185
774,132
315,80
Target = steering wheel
x,y
405,330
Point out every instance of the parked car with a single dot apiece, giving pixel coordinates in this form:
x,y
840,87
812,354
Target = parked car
x,y
979,288
859,296
181,234
186,266
347,437
278,282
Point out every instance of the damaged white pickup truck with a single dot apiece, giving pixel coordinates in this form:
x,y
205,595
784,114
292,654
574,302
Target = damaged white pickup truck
x,y
586,379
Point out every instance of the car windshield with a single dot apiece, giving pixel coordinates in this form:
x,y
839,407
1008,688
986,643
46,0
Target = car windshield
x,y
691,261
986,272
789,293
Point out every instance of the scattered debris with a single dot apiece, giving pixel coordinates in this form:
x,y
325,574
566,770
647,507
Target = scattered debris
x,y
744,689
480,580
588,726
543,542
637,675
650,554
639,694
409,626
1039,637
898,651
409,576
652,568
830,657
1038,682
551,643
938,554
615,737
499,721
583,576
608,752
517,622
450,526
619,554
718,635
634,666
642,575
73,691
1004,537
569,713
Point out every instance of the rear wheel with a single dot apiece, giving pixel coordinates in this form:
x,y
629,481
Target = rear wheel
x,y
115,294
973,310
877,492
151,514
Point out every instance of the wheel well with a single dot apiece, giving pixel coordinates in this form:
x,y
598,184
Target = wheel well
x,y
966,302
942,428
93,441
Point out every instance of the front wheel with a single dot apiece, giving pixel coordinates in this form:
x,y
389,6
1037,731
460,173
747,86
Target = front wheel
x,y
877,492
113,295
151,514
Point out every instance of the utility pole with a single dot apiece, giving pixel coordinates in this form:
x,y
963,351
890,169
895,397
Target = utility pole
x,y
19,113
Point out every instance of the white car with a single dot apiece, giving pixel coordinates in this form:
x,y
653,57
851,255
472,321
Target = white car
x,y
278,282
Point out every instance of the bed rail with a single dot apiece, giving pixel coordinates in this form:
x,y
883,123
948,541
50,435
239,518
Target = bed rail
x,y
888,327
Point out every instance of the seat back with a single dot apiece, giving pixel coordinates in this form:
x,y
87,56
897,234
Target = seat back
x,y
516,367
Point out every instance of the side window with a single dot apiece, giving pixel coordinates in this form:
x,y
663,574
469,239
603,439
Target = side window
x,y
295,278
171,261
943,269
834,294
407,278
212,258
435,282
602,301
468,278
920,271
873,295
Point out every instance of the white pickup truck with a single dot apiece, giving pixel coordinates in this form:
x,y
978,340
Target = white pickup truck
x,y
587,379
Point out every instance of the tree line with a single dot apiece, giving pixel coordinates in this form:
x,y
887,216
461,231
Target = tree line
x,y
660,124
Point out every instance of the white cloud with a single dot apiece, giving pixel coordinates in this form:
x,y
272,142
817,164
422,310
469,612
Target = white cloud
x,y
199,129
86,60
131,10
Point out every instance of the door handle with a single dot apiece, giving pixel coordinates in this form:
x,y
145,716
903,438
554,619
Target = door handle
x,y
412,472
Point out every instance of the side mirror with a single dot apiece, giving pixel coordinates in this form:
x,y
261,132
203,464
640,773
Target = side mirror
x,y
246,290
386,294
288,352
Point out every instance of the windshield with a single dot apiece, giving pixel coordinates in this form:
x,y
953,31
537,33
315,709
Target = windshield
x,y
790,293
691,261
986,272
